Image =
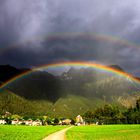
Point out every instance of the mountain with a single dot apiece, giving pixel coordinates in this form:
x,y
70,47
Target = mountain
x,y
7,72
38,85
69,94
116,67
68,106
85,82
18,105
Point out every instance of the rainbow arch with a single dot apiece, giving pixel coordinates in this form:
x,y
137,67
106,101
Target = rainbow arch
x,y
90,36
77,63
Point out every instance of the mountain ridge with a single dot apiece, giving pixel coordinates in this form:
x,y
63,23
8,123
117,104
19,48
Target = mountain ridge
x,y
75,90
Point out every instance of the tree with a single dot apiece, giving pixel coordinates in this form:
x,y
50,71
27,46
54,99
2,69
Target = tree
x,y
89,117
138,104
15,116
56,121
49,121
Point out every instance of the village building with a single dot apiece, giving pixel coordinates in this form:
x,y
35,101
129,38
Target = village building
x,y
66,122
17,122
14,122
2,121
79,120
28,122
20,122
36,123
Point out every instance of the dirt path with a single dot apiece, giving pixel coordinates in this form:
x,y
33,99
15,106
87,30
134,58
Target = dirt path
x,y
60,135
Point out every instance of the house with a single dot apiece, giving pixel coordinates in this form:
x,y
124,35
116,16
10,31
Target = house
x,y
79,120
28,122
2,121
14,122
97,123
17,122
36,123
21,122
64,121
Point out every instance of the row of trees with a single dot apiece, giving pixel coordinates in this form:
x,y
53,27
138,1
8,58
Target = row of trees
x,y
110,114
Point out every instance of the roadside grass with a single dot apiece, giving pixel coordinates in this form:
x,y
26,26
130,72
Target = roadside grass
x,y
9,132
104,132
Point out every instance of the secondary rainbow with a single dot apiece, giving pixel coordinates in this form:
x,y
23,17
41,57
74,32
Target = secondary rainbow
x,y
76,64
90,36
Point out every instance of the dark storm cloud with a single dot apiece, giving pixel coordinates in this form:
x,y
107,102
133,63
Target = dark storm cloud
x,y
24,20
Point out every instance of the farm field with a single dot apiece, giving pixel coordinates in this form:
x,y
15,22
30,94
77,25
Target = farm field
x,y
9,132
104,132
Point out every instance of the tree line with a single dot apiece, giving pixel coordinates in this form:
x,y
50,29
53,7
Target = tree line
x,y
112,114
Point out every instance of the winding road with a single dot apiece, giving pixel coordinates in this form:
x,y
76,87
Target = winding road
x,y
60,135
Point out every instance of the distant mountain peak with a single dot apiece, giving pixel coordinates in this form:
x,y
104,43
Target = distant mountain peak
x,y
117,67
8,71
7,66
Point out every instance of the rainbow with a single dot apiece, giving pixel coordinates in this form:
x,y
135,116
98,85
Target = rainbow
x,y
90,36
84,35
74,64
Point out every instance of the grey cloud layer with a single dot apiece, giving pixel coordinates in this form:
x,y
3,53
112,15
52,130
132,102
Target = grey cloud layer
x,y
22,20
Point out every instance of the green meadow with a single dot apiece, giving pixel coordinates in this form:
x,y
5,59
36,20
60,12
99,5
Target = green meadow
x,y
9,132
99,132
104,132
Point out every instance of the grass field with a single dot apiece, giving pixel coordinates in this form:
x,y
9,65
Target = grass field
x,y
9,132
104,132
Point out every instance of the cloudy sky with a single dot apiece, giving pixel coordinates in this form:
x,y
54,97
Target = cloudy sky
x,y
36,32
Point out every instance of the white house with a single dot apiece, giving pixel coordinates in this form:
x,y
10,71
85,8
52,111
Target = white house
x,y
17,122
66,122
14,122
28,122
2,122
37,123
79,120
